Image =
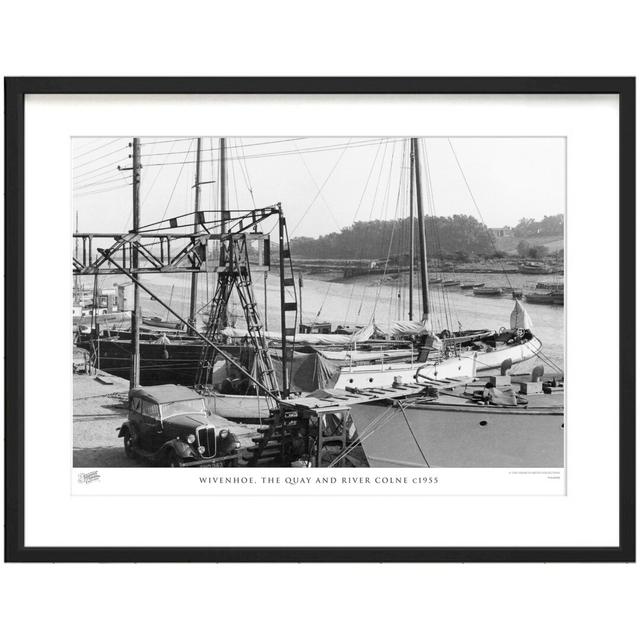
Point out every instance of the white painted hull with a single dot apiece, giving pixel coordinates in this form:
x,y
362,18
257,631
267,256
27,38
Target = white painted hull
x,y
488,360
437,435
385,374
239,408
364,356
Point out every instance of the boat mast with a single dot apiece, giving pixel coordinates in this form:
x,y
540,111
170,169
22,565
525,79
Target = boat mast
x,y
421,230
411,238
224,216
193,300
134,377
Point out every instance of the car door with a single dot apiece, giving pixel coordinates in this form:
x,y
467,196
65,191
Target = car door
x,y
152,426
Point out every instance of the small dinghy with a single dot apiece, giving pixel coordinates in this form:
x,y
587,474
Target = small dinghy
x,y
487,291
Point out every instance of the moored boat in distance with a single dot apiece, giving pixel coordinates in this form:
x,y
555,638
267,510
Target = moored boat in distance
x,y
534,268
487,291
155,321
451,283
548,297
471,285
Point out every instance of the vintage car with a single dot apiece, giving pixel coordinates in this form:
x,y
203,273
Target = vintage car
x,y
169,424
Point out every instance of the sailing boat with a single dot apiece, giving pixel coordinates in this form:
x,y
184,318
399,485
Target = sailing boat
x,y
447,355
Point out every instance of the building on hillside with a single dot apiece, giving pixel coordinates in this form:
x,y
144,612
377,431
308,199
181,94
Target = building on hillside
x,y
502,232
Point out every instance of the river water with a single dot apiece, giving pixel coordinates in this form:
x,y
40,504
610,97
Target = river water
x,y
357,301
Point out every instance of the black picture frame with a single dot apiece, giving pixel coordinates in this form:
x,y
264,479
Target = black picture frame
x,y
15,91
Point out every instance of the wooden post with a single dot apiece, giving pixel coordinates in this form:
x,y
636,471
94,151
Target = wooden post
x,y
421,230
283,316
134,378
193,299
266,313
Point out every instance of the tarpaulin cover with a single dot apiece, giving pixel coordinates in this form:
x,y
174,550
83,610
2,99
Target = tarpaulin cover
x,y
309,371
404,327
309,338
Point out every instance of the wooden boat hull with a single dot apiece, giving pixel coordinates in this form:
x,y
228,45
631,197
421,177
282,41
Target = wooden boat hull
x,y
239,408
445,435
385,374
173,363
116,317
487,292
545,298
488,360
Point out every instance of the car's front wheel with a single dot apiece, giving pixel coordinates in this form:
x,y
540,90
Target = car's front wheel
x,y
173,460
128,446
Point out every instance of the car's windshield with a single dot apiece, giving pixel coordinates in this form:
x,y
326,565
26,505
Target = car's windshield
x,y
182,407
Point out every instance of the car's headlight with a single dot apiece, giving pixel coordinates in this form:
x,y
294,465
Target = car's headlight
x,y
201,450
191,438
224,433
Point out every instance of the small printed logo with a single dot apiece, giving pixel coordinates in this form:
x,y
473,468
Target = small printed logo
x,y
90,476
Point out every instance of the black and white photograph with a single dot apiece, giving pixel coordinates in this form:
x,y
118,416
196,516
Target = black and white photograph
x,y
327,302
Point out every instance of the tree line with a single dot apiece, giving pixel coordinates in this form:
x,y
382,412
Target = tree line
x,y
548,226
375,239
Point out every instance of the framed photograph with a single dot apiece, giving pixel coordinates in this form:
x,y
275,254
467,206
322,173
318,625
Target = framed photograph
x,y
320,319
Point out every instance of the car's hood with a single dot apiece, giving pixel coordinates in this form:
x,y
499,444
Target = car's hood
x,y
188,420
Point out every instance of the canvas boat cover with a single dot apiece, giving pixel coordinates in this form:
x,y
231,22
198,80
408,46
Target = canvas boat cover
x,y
309,372
309,338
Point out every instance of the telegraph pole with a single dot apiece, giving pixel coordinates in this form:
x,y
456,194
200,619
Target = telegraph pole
x,y
421,231
134,378
411,240
194,276
76,281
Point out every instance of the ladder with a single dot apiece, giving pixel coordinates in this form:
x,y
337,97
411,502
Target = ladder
x,y
288,303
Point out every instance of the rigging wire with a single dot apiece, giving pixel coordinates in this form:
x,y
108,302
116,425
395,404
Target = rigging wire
x,y
106,144
106,155
229,147
322,186
293,152
315,183
475,204
176,182
89,193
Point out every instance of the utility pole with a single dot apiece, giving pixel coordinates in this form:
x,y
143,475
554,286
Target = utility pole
x,y
76,280
134,378
411,239
423,244
193,300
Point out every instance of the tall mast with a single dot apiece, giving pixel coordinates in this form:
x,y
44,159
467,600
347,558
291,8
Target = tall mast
x,y
193,300
134,378
411,239
423,244
224,216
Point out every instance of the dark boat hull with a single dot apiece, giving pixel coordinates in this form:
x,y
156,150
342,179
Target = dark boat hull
x,y
174,363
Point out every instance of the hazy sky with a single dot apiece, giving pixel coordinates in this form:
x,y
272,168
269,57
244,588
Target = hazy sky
x,y
324,184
